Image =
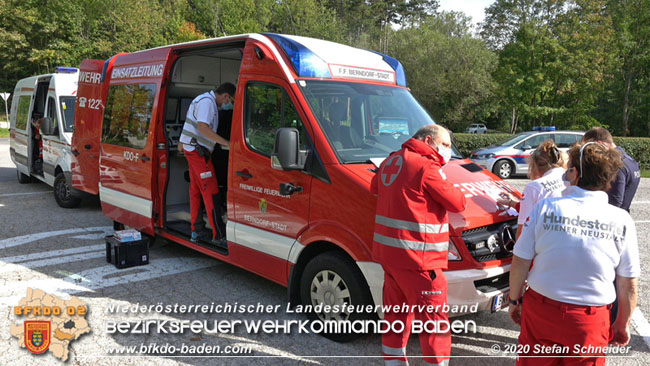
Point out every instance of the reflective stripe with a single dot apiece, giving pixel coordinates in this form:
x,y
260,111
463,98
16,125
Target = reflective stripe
x,y
392,351
410,244
407,225
125,201
445,228
396,363
203,141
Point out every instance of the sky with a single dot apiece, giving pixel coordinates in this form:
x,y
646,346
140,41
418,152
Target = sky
x,y
473,8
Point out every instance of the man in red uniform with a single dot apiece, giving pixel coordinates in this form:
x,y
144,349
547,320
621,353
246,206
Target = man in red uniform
x,y
412,237
199,139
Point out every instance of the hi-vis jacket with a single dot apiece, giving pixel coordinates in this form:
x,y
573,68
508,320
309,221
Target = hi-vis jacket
x,y
411,227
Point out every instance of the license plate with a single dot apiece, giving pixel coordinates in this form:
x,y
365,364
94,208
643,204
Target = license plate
x,y
500,301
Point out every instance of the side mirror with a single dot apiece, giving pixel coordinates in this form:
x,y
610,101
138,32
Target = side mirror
x,y
526,147
286,151
46,126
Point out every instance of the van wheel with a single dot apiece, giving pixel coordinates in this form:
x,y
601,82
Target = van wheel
x,y
63,193
504,169
23,178
332,278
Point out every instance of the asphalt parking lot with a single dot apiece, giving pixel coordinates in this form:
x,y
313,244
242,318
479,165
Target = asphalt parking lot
x,y
62,252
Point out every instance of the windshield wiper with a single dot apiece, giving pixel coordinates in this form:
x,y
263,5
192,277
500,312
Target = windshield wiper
x,y
367,161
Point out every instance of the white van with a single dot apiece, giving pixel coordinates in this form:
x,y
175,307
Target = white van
x,y
49,100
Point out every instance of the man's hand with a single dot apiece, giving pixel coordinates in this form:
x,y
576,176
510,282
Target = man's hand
x,y
515,313
621,333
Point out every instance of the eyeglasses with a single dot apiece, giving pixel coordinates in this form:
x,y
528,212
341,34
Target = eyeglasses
x,y
582,149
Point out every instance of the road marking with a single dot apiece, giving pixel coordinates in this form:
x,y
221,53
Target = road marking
x,y
51,261
641,325
23,194
20,240
101,277
51,253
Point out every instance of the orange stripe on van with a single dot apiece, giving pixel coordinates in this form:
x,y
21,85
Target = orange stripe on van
x,y
27,89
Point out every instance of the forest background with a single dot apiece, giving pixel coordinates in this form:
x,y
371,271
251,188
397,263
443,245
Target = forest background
x,y
570,64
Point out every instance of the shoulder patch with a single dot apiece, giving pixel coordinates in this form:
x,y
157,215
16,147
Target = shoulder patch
x,y
390,171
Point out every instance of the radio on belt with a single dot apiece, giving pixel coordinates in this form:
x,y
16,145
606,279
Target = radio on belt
x,y
127,248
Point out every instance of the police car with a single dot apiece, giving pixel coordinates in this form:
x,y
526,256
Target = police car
x,y
509,158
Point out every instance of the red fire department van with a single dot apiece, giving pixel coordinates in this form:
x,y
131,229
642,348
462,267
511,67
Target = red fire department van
x,y
312,120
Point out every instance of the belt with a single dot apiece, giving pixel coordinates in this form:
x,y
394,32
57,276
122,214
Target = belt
x,y
564,305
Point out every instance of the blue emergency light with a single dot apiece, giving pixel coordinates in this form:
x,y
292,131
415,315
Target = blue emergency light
x,y
66,70
305,62
400,75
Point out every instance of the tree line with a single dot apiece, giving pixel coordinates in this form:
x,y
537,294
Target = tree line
x,y
572,64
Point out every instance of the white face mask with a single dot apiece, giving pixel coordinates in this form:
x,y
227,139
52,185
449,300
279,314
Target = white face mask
x,y
445,152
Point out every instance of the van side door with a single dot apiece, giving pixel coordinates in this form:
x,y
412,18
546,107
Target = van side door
x,y
128,163
20,145
52,149
89,112
266,222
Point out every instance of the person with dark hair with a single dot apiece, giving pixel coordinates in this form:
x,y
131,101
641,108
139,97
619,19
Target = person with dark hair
x,y
199,138
580,244
412,237
628,177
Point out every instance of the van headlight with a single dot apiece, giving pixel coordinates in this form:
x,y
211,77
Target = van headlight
x,y
453,255
486,156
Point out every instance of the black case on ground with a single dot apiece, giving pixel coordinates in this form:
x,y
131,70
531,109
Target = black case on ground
x,y
127,254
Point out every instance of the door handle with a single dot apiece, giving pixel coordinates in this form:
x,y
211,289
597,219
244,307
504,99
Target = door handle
x,y
244,175
144,158
87,147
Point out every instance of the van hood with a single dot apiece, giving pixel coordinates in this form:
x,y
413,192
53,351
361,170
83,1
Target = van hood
x,y
481,189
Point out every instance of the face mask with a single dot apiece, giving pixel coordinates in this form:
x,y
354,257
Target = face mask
x,y
445,152
226,107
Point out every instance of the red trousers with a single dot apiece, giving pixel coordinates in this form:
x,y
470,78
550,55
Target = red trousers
x,y
203,184
556,329
416,288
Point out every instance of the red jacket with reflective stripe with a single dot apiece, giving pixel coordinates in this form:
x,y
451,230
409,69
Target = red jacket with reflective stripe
x,y
411,226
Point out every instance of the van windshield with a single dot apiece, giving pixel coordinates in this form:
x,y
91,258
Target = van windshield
x,y
364,121
67,112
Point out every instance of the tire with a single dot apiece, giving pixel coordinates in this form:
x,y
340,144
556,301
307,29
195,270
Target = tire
x,y
23,178
504,169
350,288
63,193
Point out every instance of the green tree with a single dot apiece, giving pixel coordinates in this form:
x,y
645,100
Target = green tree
x,y
447,69
624,105
553,59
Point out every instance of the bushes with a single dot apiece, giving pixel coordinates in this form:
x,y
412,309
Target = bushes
x,y
468,142
636,147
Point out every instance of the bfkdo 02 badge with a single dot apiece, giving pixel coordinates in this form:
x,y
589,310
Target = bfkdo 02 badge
x,y
37,335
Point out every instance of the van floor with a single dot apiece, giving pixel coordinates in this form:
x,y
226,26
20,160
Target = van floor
x,y
178,221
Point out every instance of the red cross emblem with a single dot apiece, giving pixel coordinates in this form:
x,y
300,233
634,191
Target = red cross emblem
x,y
391,170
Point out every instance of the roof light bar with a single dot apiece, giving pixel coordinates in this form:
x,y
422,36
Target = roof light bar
x,y
305,62
400,75
66,70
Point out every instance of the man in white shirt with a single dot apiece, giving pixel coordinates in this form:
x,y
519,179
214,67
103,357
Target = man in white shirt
x,y
199,139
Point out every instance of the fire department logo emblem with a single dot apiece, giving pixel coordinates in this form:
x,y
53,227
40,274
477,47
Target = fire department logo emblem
x,y
37,335
391,170
262,204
